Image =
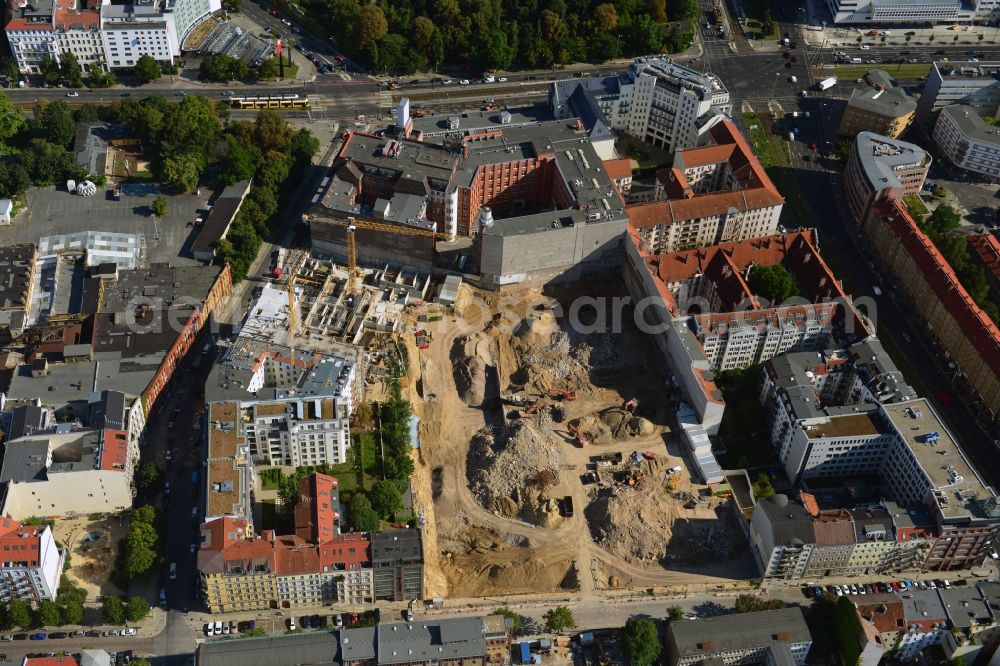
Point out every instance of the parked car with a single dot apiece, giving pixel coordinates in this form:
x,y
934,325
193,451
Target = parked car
x,y
463,82
58,634
129,631
39,636
72,93
7,637
338,620
291,624
209,629
305,622
218,626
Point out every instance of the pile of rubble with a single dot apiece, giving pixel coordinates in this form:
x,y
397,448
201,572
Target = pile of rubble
x,y
643,523
510,468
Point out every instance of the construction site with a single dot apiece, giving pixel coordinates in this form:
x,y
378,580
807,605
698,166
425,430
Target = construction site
x,y
547,461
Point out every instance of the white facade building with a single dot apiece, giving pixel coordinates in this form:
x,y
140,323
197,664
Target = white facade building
x,y
907,11
109,35
31,563
657,100
967,141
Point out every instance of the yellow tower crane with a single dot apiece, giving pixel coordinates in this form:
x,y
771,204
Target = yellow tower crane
x,y
352,261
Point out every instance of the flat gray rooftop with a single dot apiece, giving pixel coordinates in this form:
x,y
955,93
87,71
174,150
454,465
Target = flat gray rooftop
x,y
942,461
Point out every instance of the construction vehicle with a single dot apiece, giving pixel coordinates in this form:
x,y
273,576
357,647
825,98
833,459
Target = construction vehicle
x,y
566,506
533,409
649,455
423,339
581,439
562,394
516,399
631,405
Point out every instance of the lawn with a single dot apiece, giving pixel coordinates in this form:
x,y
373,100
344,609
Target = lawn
x,y
899,71
915,206
772,150
270,478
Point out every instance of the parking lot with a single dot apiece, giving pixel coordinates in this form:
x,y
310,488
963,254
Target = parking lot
x,y
54,211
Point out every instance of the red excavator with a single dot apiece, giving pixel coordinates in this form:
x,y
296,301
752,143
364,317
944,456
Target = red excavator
x,y
562,394
581,439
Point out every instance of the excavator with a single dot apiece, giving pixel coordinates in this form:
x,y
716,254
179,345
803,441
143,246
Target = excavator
x,y
581,439
533,409
629,408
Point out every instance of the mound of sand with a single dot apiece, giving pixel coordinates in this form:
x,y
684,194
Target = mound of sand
x,y
510,468
470,355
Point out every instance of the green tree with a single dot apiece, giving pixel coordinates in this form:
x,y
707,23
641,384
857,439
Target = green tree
x,y
363,517
767,24
302,148
19,614
775,282
49,69
267,69
11,118
112,609
222,67
146,68
492,51
513,617
54,122
45,162
751,603
939,192
69,68
675,614
385,498
149,477
241,162
370,25
87,113
181,172
762,487
13,180
271,132
559,619
646,35
642,641
423,35
72,612
605,17
48,614
160,207
136,609
943,220
232,6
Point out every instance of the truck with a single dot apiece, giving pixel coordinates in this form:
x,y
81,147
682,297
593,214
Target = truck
x,y
826,84
566,504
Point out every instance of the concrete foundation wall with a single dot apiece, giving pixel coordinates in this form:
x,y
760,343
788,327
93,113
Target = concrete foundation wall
x,y
551,255
374,248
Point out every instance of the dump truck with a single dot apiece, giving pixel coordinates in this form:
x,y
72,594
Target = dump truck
x,y
566,504
826,84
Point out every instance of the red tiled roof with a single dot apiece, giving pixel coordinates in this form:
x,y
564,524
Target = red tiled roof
x,y
885,613
114,449
833,528
978,328
316,514
346,551
51,661
620,168
988,248
755,187
67,16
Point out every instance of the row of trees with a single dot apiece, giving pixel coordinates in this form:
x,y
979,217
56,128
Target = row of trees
x,y
222,67
403,37
955,248
115,610
141,544
66,609
268,151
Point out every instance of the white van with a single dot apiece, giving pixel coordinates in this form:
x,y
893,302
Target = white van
x,y
856,61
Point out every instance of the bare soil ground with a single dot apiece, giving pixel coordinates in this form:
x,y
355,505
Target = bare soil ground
x,y
492,487
93,547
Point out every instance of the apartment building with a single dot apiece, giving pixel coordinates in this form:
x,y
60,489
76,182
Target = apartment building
x,y
967,141
463,641
901,11
880,164
67,469
878,106
31,563
713,194
974,84
398,563
533,195
798,540
766,637
970,339
657,100
920,465
17,278
110,35
317,565
295,406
